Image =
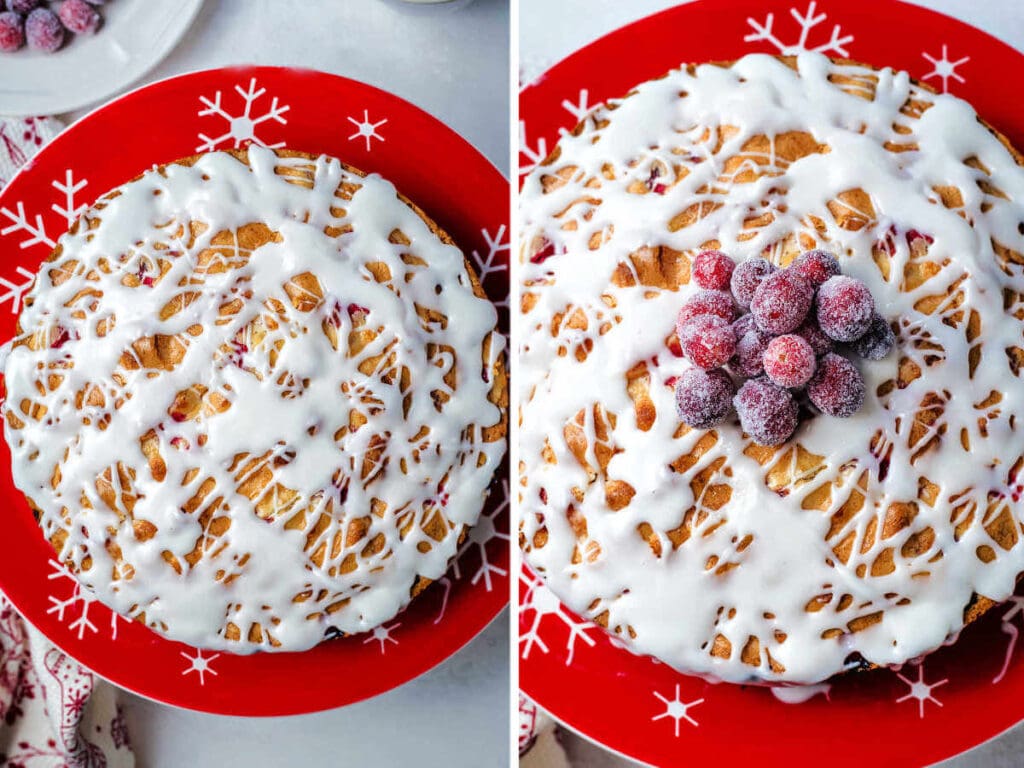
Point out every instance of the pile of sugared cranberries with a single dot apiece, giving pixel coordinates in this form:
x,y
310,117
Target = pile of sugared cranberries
x,y
43,27
785,344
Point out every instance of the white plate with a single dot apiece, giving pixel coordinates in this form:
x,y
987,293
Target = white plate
x,y
135,36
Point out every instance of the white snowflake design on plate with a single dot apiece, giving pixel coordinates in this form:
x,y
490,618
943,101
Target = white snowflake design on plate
x,y
579,109
241,127
200,665
382,635
543,602
920,690
32,230
489,262
367,129
944,68
534,155
766,31
71,605
480,535
677,709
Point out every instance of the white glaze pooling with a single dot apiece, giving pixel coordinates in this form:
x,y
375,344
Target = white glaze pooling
x,y
793,558
319,431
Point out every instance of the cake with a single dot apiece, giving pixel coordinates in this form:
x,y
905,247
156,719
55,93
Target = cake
x,y
256,398
860,541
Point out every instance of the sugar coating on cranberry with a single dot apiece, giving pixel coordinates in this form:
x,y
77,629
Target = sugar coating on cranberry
x,y
713,269
23,6
12,32
814,336
845,308
781,302
877,342
815,267
768,412
837,388
707,341
746,277
748,359
43,30
744,324
704,398
789,360
707,303
79,17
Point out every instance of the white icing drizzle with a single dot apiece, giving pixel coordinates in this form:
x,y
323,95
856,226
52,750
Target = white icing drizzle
x,y
874,548
341,397
799,694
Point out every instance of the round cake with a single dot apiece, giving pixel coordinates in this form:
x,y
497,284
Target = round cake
x,y
860,541
256,398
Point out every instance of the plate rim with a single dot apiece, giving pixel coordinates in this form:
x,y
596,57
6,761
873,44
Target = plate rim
x,y
532,87
475,622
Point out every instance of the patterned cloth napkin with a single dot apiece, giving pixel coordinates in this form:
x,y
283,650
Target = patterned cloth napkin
x,y
538,745
53,712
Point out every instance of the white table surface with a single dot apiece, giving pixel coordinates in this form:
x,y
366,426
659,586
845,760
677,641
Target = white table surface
x,y
454,64
549,31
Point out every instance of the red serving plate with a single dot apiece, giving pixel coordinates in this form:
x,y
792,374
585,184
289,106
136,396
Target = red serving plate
x,y
957,697
318,113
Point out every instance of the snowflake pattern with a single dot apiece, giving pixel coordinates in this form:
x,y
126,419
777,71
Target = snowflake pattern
x,y
72,608
200,665
920,690
766,32
677,709
33,228
382,635
489,263
366,129
241,128
534,155
16,291
944,68
483,532
542,602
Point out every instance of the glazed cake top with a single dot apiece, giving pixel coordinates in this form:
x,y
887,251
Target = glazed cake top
x,y
860,539
242,405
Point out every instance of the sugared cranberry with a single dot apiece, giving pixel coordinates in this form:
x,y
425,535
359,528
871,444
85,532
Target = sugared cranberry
x,y
713,270
44,31
707,341
877,342
836,389
704,398
744,324
24,6
79,17
781,302
815,267
746,277
12,32
814,336
707,303
789,360
748,359
768,412
845,308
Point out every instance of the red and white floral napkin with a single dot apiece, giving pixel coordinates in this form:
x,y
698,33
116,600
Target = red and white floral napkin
x,y
53,712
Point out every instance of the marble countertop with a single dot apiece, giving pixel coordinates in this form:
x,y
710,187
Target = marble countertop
x,y
452,62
